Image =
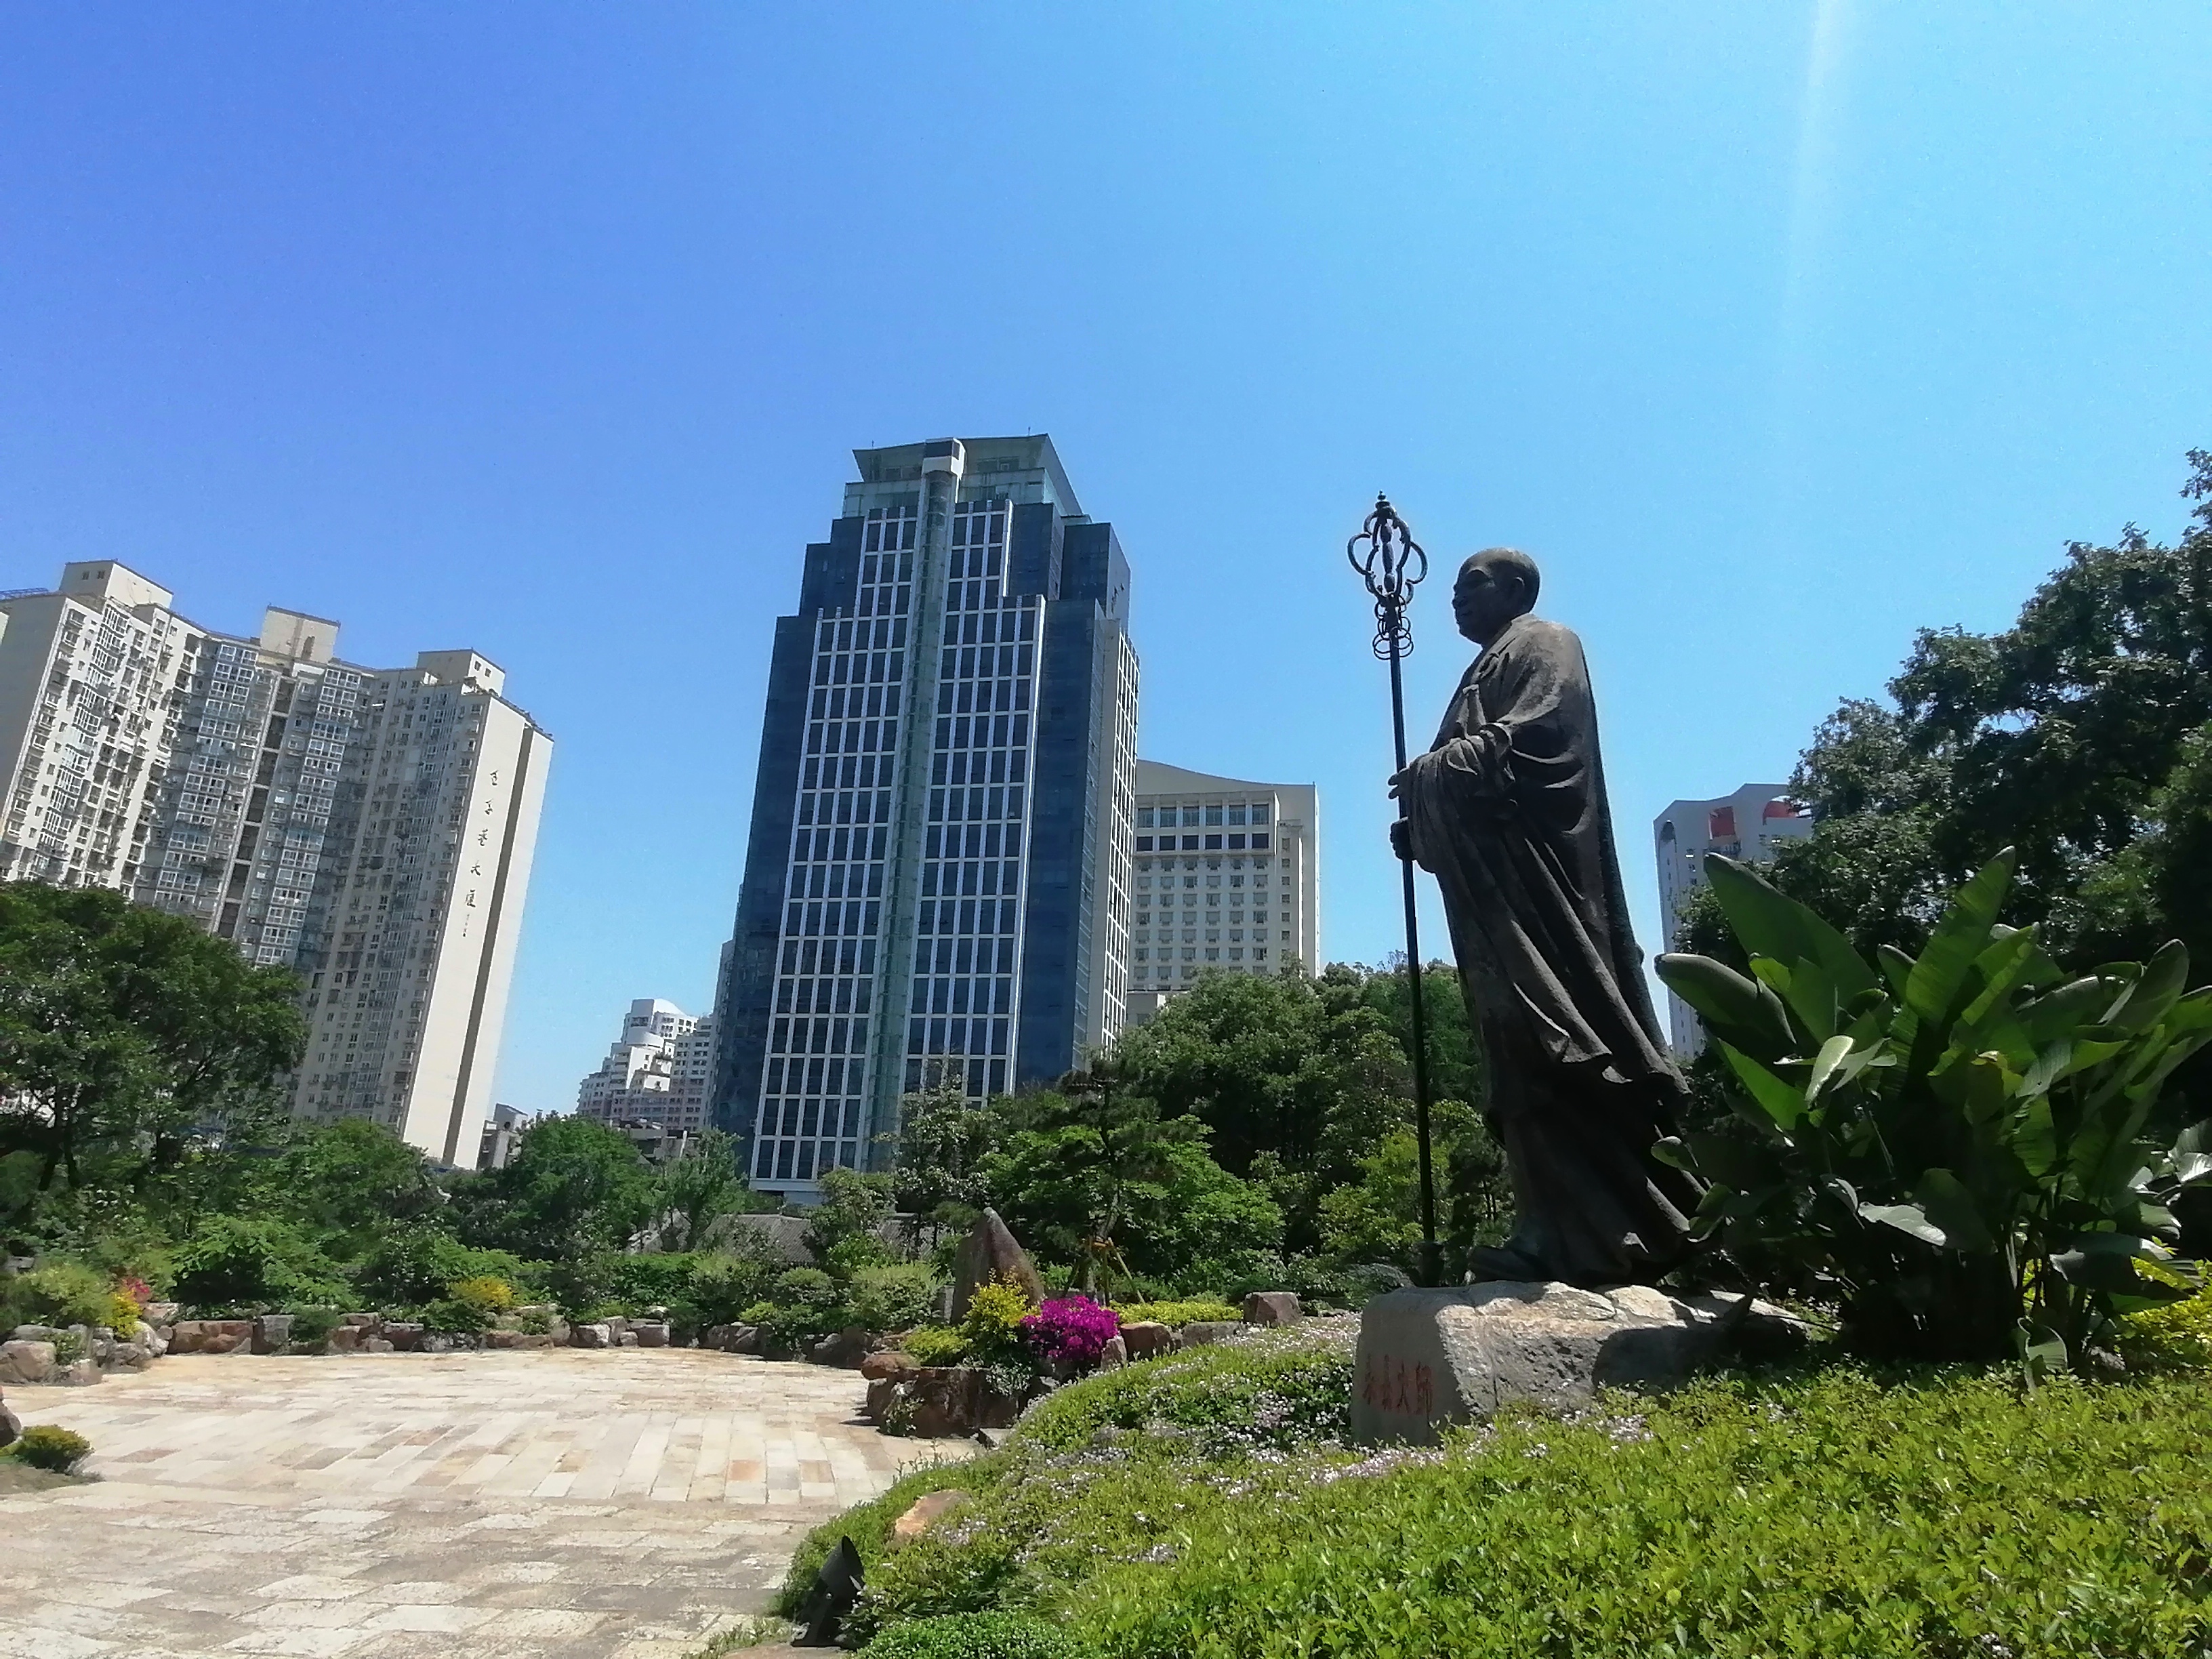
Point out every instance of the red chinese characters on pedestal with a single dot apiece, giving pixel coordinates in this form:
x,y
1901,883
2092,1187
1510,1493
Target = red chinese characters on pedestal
x,y
1392,1385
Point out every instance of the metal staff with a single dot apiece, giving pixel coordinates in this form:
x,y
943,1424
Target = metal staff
x,y
1392,564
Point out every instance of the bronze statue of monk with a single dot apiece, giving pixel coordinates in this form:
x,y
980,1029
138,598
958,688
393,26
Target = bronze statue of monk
x,y
1508,811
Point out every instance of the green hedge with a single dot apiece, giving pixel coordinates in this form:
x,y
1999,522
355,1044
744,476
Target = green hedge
x,y
1821,1512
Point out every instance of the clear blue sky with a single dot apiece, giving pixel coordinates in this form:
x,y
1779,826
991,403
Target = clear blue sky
x,y
1772,331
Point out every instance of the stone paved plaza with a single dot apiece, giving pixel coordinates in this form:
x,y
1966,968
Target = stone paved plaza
x,y
628,1503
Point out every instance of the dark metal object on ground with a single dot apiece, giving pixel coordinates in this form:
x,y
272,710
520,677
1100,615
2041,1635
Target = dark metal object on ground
x,y
836,1587
1392,565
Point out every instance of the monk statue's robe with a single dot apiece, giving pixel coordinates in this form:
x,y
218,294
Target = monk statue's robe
x,y
1508,810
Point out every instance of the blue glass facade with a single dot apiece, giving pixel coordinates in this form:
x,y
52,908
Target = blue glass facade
x,y
923,881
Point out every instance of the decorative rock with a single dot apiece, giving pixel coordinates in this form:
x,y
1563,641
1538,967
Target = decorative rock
x,y
889,1364
731,1338
848,1348
370,1322
1204,1332
923,1510
154,1340
625,1339
1147,1338
650,1333
272,1332
617,1324
33,1333
211,1336
1272,1308
79,1374
375,1344
990,1252
404,1338
29,1362
130,1356
594,1335
1428,1359
1114,1355
347,1338
162,1313
11,1426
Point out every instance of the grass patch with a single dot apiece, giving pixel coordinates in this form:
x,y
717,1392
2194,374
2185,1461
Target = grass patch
x,y
1836,1512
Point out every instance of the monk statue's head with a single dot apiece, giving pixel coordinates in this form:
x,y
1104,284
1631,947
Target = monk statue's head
x,y
1494,586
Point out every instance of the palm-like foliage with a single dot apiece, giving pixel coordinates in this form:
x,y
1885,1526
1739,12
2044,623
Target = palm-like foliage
x,y
1954,1144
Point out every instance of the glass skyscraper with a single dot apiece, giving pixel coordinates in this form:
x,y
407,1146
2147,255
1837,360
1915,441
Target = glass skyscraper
x,y
938,878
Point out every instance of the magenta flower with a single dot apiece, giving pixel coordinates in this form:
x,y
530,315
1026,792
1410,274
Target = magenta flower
x,y
1071,1330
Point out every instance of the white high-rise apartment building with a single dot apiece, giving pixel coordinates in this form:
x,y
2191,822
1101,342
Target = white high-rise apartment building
x,y
658,1071
371,829
1227,876
1751,824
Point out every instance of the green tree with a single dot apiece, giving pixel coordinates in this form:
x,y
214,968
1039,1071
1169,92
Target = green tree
x,y
937,1173
1296,1079
1094,1173
2068,737
692,1192
573,1187
124,1031
345,1183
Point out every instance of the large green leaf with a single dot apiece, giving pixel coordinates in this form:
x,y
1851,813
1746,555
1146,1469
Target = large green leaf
x,y
1779,1100
2192,1155
1944,1199
1770,923
1825,1065
2162,981
1908,1219
1731,1163
1736,1009
1957,942
2106,1261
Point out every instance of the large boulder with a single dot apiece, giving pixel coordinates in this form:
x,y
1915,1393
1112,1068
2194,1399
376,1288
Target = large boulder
x,y
405,1336
1114,1355
1430,1359
595,1335
28,1363
848,1348
1272,1308
651,1333
211,1336
990,1252
11,1426
889,1364
272,1332
1146,1339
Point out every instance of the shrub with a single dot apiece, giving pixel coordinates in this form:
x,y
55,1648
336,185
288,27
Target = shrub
x,y
69,1348
806,1286
1881,1516
934,1344
976,1636
722,1285
1277,1390
2177,1336
893,1298
312,1327
251,1262
993,1323
1953,1145
1070,1330
410,1268
450,1317
65,1293
42,1446
484,1292
1176,1313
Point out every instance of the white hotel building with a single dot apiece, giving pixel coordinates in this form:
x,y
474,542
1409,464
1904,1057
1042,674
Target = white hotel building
x,y
1226,876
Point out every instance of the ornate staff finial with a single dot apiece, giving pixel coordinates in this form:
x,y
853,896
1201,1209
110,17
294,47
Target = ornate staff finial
x,y
1392,565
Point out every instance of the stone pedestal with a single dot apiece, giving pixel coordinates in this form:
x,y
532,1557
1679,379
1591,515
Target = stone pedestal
x,y
1429,1360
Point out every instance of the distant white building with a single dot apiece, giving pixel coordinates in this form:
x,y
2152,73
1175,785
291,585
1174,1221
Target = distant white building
x,y
1749,824
657,1072
502,1131
371,829
1227,876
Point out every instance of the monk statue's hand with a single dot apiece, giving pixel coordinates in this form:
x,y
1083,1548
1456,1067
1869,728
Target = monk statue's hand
x,y
1402,838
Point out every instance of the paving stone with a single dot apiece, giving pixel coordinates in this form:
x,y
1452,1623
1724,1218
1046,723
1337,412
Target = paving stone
x,y
629,1501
